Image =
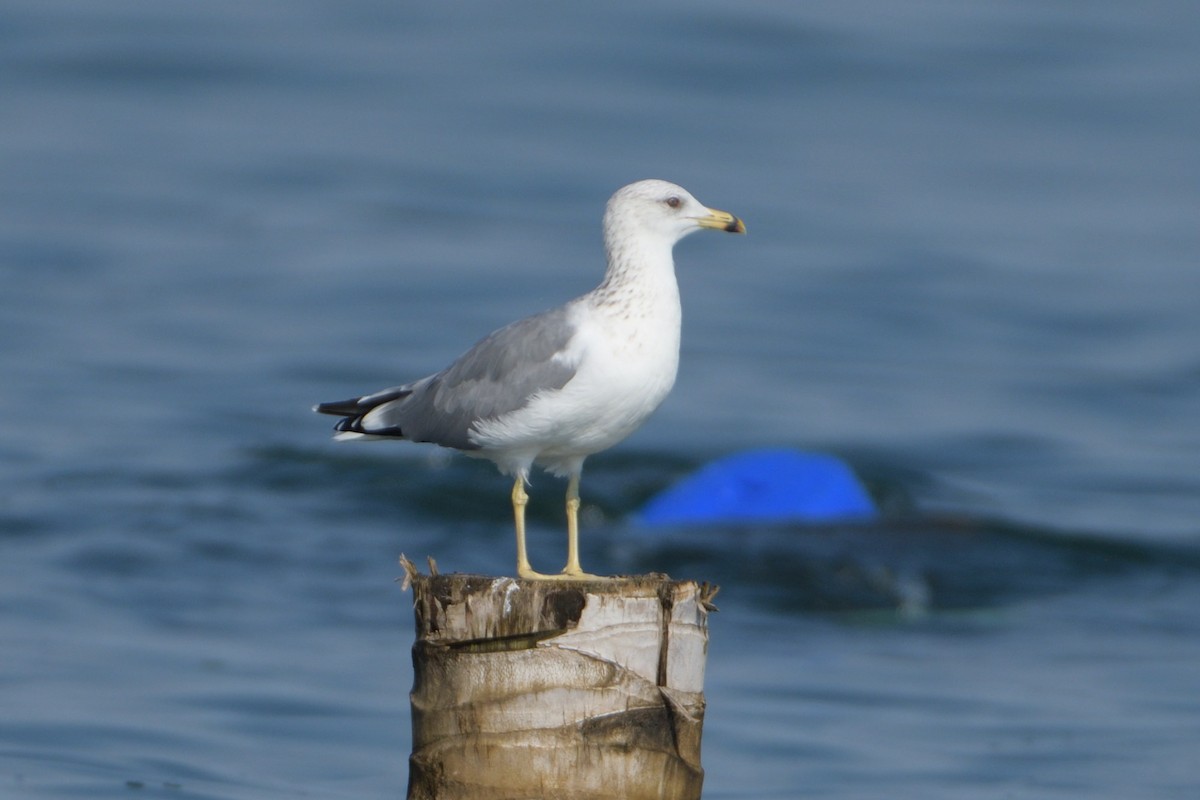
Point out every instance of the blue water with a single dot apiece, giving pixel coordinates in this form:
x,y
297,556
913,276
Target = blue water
x,y
971,272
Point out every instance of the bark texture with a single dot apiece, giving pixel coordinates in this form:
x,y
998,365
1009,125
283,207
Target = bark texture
x,y
572,691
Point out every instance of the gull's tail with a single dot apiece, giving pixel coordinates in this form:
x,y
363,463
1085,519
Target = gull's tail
x,y
357,420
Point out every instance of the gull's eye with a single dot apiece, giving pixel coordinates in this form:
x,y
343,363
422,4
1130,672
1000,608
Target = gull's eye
x,y
674,202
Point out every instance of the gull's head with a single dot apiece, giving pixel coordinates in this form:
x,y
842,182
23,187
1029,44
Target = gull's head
x,y
663,211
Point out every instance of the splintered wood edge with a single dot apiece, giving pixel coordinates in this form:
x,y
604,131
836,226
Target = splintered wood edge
x,y
411,573
707,591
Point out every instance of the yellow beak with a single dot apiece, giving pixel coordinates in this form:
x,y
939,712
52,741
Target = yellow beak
x,y
721,221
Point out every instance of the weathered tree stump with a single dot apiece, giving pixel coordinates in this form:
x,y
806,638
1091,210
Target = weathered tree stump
x,y
572,691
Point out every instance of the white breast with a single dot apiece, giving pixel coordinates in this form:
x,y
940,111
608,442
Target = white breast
x,y
627,355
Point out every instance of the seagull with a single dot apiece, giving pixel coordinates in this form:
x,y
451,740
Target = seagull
x,y
556,387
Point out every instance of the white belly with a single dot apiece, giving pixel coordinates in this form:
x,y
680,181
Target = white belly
x,y
624,372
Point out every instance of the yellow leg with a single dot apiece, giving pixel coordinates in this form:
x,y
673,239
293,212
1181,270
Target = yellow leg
x,y
573,569
571,572
519,500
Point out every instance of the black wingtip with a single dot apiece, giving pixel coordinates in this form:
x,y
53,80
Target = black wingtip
x,y
339,408
356,409
354,425
357,406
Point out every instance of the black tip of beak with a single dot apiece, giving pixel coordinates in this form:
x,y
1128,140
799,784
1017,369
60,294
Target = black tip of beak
x,y
736,226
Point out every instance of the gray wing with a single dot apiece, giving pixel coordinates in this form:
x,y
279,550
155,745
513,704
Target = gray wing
x,y
498,375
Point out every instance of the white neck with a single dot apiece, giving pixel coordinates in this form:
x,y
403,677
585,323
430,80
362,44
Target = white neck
x,y
638,267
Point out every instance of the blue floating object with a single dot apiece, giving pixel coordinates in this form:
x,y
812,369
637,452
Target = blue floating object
x,y
772,485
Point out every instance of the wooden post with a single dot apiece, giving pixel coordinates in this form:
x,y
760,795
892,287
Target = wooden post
x,y
543,689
